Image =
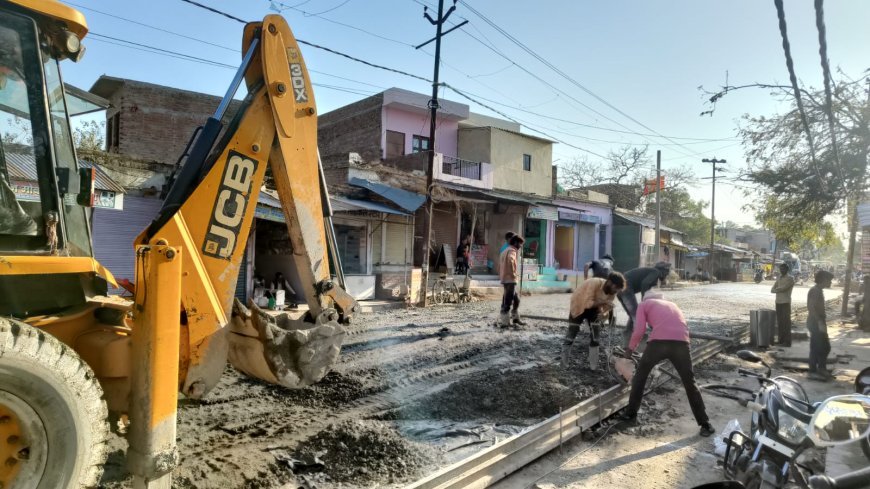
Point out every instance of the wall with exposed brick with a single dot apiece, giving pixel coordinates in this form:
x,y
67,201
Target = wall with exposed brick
x,y
156,123
353,128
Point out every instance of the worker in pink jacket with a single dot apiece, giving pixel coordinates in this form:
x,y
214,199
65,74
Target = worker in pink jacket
x,y
668,340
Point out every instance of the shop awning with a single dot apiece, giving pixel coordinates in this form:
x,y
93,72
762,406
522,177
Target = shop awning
x,y
340,204
269,207
644,221
489,195
406,200
543,212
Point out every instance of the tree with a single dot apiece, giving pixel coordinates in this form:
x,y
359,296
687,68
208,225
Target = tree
x,y
811,161
809,184
621,175
90,136
680,212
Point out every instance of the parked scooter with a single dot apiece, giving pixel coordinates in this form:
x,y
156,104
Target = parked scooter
x,y
772,453
836,421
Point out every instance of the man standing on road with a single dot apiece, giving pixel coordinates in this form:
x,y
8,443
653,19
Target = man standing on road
x,y
640,280
509,274
782,288
593,299
601,267
669,340
820,345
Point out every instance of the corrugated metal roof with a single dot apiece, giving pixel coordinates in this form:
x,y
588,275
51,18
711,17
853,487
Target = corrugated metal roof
x,y
270,198
23,167
408,201
102,181
644,221
493,194
345,204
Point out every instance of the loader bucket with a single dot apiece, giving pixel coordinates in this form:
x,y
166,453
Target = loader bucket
x,y
283,350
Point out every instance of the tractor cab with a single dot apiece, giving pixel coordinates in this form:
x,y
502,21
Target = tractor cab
x,y
48,219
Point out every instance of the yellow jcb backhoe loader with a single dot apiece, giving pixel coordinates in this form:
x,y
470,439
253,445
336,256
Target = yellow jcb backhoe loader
x,y
70,355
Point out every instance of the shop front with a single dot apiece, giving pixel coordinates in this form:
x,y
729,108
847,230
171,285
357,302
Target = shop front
x,y
538,230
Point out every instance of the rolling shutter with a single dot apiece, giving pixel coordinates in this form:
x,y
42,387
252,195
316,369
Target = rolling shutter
x,y
397,241
114,232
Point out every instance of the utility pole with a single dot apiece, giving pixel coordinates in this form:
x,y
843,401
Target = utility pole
x,y
658,205
433,106
715,162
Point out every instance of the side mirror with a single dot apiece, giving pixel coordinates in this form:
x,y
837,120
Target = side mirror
x,y
749,356
85,196
841,419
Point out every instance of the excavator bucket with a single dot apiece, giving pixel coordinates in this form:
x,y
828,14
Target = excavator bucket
x,y
281,349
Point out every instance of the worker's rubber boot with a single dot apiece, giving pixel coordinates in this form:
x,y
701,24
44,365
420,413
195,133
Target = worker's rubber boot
x,y
517,320
566,351
504,320
593,358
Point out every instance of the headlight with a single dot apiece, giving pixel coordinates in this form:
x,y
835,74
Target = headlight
x,y
791,429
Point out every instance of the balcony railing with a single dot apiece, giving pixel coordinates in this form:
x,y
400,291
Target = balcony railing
x,y
471,173
462,168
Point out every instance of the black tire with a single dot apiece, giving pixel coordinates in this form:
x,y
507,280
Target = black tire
x,y
439,292
865,447
58,404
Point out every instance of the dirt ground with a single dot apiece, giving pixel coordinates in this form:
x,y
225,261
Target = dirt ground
x,y
417,388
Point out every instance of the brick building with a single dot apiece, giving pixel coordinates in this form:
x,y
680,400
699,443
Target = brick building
x,y
148,127
152,122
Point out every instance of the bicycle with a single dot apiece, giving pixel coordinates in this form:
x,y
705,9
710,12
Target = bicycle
x,y
444,290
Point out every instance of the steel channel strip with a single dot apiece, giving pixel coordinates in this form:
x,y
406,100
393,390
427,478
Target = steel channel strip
x,y
502,459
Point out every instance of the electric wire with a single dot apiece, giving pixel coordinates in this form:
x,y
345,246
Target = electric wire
x,y
333,21
235,50
491,47
232,17
183,56
562,73
478,102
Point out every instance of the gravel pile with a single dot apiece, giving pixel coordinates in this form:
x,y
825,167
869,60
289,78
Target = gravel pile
x,y
365,452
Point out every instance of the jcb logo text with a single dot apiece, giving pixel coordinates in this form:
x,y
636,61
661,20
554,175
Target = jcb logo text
x,y
229,207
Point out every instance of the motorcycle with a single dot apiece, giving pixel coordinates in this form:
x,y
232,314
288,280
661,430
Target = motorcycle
x,y
862,386
836,421
759,276
772,453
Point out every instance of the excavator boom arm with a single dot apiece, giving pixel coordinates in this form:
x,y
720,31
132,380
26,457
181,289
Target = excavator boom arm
x,y
209,211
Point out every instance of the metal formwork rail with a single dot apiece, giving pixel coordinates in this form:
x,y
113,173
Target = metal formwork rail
x,y
502,459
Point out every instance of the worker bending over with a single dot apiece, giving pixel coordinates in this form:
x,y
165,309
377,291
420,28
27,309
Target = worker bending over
x,y
591,301
669,340
600,268
640,280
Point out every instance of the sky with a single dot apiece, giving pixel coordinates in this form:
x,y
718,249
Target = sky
x,y
633,71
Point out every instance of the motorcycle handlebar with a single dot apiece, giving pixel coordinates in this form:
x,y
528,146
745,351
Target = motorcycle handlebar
x,y
750,373
852,480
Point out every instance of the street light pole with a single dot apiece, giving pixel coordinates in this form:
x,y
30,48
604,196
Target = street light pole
x,y
658,206
433,106
714,161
